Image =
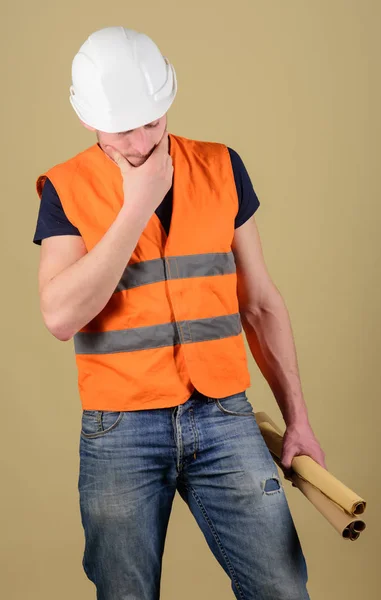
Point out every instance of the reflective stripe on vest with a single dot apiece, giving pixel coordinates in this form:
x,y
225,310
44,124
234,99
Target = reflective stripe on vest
x,y
176,267
157,336
167,334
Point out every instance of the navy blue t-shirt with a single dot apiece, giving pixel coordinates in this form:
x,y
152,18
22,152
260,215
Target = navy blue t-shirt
x,y
52,219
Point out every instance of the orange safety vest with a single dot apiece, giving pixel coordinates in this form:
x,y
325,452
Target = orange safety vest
x,y
172,323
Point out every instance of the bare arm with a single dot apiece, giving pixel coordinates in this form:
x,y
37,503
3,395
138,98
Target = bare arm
x,y
267,325
75,285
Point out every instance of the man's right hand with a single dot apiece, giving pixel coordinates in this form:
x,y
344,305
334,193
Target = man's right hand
x,y
147,184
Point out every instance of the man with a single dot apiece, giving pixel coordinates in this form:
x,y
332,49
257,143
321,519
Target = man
x,y
151,260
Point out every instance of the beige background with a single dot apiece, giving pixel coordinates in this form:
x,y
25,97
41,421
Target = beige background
x,y
294,88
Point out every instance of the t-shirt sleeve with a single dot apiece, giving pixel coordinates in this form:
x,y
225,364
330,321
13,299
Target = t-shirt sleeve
x,y
247,198
52,219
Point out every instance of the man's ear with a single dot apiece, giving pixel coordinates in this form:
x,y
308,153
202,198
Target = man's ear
x,y
87,126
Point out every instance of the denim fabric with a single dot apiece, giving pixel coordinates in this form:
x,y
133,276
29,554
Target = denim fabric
x,y
212,452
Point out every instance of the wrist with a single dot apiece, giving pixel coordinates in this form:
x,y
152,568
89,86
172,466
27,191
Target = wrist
x,y
296,417
132,211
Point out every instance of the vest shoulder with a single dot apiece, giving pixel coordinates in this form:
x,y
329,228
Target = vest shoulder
x,y
200,146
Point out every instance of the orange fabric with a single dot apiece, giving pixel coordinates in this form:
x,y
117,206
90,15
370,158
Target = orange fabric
x,y
205,204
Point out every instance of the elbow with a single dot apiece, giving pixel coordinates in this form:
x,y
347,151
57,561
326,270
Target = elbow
x,y
252,313
58,328
62,335
60,332
56,320
250,316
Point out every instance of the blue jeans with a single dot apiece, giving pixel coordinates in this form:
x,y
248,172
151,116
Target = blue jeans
x,y
212,452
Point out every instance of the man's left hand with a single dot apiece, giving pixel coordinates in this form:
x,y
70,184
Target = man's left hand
x,y
299,439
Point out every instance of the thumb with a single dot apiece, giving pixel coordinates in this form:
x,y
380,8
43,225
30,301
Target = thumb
x,y
163,145
117,157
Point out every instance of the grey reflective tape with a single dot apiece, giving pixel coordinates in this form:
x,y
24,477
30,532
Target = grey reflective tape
x,y
200,265
157,336
126,340
142,273
176,267
202,330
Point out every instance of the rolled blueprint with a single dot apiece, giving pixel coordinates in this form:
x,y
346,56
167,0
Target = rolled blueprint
x,y
337,503
347,526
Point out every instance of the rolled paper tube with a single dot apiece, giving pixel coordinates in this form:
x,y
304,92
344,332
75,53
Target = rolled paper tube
x,y
335,515
264,417
309,470
347,526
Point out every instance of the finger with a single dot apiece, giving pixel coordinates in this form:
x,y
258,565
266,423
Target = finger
x,y
114,153
122,163
163,145
286,460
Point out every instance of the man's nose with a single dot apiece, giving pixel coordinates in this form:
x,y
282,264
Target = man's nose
x,y
142,143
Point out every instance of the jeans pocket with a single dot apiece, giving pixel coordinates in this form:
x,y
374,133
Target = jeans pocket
x,y
96,423
236,404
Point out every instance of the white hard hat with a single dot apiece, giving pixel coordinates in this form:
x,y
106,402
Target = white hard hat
x,y
121,81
